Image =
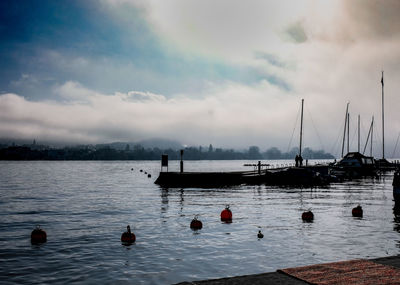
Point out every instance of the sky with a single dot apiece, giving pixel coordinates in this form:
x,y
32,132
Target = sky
x,y
229,73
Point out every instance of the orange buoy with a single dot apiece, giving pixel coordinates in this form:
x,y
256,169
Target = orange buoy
x,y
38,236
128,237
357,212
196,224
260,235
308,216
226,215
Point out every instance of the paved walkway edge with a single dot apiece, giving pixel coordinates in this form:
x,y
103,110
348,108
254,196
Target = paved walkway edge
x,y
280,277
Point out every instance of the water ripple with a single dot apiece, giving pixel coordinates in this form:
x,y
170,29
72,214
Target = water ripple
x,y
85,206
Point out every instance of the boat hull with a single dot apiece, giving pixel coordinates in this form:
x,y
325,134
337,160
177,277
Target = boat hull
x,y
198,179
396,193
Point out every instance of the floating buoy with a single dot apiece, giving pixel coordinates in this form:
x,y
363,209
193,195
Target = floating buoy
x,y
145,172
141,170
357,211
308,216
128,237
149,175
196,224
226,215
132,169
260,235
38,236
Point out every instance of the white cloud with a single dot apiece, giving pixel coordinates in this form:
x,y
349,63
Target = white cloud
x,y
231,115
231,112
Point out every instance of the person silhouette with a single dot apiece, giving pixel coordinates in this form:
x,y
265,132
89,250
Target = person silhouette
x,y
300,160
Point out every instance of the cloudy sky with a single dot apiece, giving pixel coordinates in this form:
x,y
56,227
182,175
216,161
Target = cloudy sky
x,y
230,73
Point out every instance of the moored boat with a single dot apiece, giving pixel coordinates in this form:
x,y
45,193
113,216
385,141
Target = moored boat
x,y
396,186
385,165
354,164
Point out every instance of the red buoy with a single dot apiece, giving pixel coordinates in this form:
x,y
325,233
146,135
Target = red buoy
x,y
196,224
38,236
128,237
226,215
308,216
357,212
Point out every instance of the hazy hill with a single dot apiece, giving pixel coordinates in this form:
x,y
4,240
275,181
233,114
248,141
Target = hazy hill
x,y
149,143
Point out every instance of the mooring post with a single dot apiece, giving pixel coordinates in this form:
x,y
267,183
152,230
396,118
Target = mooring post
x,y
181,161
259,167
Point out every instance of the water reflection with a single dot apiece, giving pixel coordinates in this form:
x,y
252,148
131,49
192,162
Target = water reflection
x,y
164,200
181,200
165,193
167,249
396,219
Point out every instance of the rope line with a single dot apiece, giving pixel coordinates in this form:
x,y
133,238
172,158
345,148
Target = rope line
x,y
395,147
338,136
295,124
316,130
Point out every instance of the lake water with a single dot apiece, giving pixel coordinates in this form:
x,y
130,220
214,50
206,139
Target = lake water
x,y
85,206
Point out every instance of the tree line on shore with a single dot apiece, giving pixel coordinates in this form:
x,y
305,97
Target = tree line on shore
x,y
138,152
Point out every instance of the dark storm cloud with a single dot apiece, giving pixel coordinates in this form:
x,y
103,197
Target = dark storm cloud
x,y
363,20
374,18
296,33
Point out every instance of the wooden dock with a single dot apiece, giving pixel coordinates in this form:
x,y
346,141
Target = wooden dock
x,y
290,176
383,271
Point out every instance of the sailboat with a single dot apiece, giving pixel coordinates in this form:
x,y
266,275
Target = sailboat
x,y
316,175
383,164
353,164
282,176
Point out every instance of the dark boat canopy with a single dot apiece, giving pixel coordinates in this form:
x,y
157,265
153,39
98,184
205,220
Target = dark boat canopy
x,y
356,156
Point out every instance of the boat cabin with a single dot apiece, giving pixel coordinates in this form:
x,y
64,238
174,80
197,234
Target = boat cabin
x,y
356,159
354,164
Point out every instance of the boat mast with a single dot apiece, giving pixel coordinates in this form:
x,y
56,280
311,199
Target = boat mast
x,y
344,130
372,133
301,125
348,132
369,133
383,123
358,133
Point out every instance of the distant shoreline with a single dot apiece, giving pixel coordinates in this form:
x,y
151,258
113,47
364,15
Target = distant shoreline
x,y
140,153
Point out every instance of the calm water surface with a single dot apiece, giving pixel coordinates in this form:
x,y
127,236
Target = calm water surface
x,y
85,206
